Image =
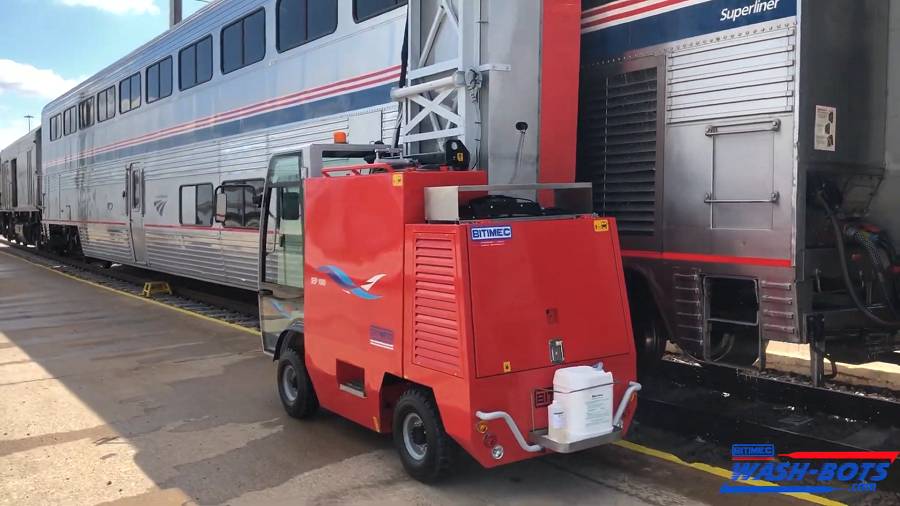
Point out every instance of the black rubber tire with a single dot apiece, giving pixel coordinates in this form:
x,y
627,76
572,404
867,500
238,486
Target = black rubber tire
x,y
440,452
305,404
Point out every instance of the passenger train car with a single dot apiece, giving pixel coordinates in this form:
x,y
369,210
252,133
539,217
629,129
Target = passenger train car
x,y
20,189
134,156
739,156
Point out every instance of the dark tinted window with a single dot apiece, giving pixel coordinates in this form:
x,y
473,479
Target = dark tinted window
x,y
86,113
54,127
136,91
365,9
301,21
232,48
255,37
240,211
159,80
197,205
195,64
130,93
244,42
69,125
106,104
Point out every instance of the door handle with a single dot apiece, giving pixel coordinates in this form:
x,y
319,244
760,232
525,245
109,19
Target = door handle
x,y
773,199
266,292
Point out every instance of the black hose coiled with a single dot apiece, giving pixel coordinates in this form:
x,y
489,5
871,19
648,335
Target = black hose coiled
x,y
879,264
845,273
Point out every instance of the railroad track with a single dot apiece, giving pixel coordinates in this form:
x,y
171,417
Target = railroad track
x,y
234,306
724,406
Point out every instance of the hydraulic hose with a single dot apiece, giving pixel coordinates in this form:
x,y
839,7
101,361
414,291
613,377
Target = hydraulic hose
x,y
845,272
879,265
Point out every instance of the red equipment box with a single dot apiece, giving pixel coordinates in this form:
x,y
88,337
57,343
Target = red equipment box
x,y
466,311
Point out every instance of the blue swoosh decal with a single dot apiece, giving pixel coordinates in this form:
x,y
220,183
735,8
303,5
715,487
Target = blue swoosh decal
x,y
341,278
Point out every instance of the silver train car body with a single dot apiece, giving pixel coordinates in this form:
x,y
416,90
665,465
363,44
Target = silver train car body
x,y
706,127
133,181
20,189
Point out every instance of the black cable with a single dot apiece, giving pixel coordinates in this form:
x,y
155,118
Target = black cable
x,y
879,268
842,254
404,63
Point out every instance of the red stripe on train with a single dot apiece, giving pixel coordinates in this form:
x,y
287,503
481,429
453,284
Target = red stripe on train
x,y
633,12
708,259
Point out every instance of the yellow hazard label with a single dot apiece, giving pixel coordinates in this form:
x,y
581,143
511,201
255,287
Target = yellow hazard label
x,y
507,366
601,225
397,179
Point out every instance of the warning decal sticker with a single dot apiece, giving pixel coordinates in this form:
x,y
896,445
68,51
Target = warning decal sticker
x,y
826,128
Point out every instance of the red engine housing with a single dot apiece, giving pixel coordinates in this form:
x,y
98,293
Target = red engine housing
x,y
393,301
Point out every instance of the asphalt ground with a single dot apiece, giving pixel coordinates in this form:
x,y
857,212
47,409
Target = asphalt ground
x,y
106,398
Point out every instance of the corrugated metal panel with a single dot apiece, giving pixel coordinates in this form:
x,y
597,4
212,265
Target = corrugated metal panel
x,y
436,322
107,242
617,141
749,74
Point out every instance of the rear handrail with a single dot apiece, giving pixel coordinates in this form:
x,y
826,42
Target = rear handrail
x,y
356,170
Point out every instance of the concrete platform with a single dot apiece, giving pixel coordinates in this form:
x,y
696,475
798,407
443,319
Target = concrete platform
x,y
795,358
107,399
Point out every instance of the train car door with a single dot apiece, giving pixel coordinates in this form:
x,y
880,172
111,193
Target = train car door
x,y
136,208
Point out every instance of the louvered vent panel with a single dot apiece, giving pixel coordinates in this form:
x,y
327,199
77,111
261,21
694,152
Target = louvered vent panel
x,y
436,326
617,147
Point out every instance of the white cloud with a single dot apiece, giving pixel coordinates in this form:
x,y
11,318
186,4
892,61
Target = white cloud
x,y
11,132
30,80
117,6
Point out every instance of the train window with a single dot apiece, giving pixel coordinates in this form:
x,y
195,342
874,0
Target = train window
x,y
106,104
130,93
54,127
241,209
69,122
367,9
14,183
302,21
86,113
197,205
244,42
159,80
195,64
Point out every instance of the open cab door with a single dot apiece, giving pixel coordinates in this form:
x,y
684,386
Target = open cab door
x,y
281,249
281,255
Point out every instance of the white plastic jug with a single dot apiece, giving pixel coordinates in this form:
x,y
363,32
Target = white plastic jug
x,y
585,396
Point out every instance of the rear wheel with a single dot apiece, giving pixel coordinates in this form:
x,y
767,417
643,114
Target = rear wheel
x,y
425,449
294,386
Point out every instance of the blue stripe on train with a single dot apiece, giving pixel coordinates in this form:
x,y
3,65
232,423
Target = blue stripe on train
x,y
303,112
693,21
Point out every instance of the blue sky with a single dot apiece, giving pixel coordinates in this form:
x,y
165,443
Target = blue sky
x,y
47,46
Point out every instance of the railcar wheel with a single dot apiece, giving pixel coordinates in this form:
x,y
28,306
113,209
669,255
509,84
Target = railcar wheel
x,y
425,449
294,386
650,341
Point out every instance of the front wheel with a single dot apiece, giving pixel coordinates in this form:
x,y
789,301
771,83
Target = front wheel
x,y
425,449
294,386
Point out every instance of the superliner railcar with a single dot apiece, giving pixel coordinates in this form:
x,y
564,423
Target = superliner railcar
x,y
740,144
134,155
